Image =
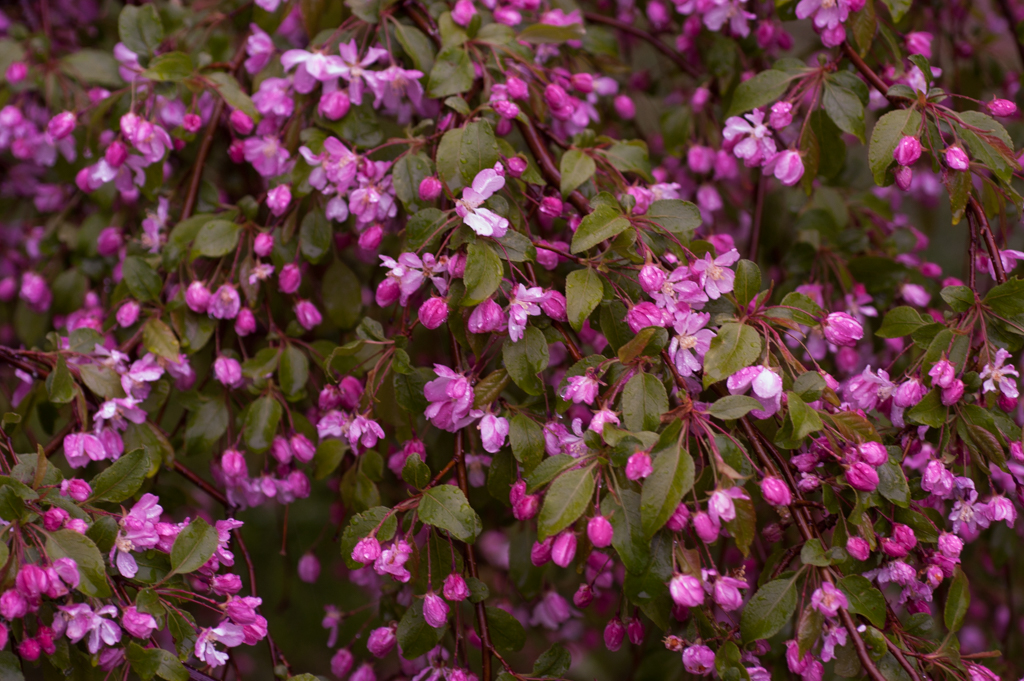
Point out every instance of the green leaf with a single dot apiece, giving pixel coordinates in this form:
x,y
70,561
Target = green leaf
x,y
547,34
576,168
884,137
329,454
629,157
813,553
91,570
930,411
865,600
97,67
804,419
150,662
231,92
490,387
415,636
407,174
417,45
747,284
897,8
552,663
216,239
205,426
59,385
172,66
260,425
315,236
901,321
769,610
761,90
1007,299
122,480
605,222
628,539
644,400
527,439
507,634
651,337
958,600
368,10
679,217
452,73
158,338
583,292
892,483
565,501
342,295
959,298
447,508
547,470
294,370
415,472
728,663
193,546
142,280
483,274
733,407
993,147
478,150
844,107
736,346
526,359
809,386
664,488
140,29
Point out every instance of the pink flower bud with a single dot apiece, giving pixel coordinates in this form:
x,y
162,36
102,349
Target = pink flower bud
x,y
554,306
138,624
516,88
430,188
1002,107
781,115
54,518
63,124
109,241
240,122
334,105
526,508
686,590
380,641
236,151
228,371
191,122
540,553
16,72
263,244
1017,451
957,159
582,82
116,154
564,548
128,314
858,548
371,238
551,206
652,278
435,610
278,199
366,550
942,373
700,159
862,477
556,96
434,312
289,279
614,634
639,466
583,597
907,151
233,464
706,527
517,166
281,450
29,649
487,317
309,568
919,42
506,109
197,297
13,605
455,588
635,628
302,448
78,490
842,329
679,518
463,12
599,531
904,176
625,107
309,317
341,663
776,492
788,167
245,322
873,453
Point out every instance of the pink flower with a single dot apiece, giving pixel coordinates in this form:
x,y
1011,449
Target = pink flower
x,y
842,329
599,531
907,150
639,466
614,634
524,303
309,568
775,491
307,314
63,124
858,548
230,635
225,303
787,166
919,42
228,372
493,431
691,343
686,590
482,220
455,588
1001,107
381,641
781,115
957,159
714,274
755,144
862,477
435,610
463,12
266,154
278,199
581,389
138,624
451,398
563,550
487,317
699,660
433,313
828,600
996,376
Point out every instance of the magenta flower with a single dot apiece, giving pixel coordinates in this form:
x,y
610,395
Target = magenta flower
x,y
756,144
451,400
997,377
828,600
691,343
435,610
266,154
482,220
699,660
686,591
493,431
715,276
524,303
354,70
581,389
138,624
225,303
227,634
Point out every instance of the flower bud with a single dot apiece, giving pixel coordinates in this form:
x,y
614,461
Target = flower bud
x,y
527,507
554,306
281,450
240,122
63,124
191,122
904,176
699,660
942,373
53,519
551,206
599,531
278,199
781,115
309,317
366,550
635,629
435,610
116,154
862,477
858,548
999,107
506,109
614,634
679,518
388,292
341,663
564,548
227,371
706,527
263,244
433,313
700,159
583,597
13,605
463,12
197,297
138,624
907,151
128,314
842,329
625,107
245,322
289,279
652,278
775,491
487,317
582,82
334,105
109,241
789,167
455,588
686,590
555,96
517,166
516,88
430,188
957,159
380,641
78,490
302,448
873,453
919,42
540,553
639,466
233,464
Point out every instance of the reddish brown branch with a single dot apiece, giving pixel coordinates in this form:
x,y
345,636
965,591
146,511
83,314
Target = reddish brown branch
x,y
547,166
866,71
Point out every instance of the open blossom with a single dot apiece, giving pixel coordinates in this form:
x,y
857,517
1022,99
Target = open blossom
x,y
828,17
483,221
451,399
828,600
691,342
581,389
998,376
715,276
227,634
756,144
524,303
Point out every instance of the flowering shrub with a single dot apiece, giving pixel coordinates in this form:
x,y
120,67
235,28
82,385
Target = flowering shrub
x,y
504,332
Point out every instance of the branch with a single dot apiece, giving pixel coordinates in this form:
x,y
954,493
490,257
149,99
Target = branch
x,y
678,59
868,74
547,165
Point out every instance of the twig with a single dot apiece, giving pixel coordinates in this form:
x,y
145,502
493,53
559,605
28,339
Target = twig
x,y
869,74
679,60
547,165
990,243
201,484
